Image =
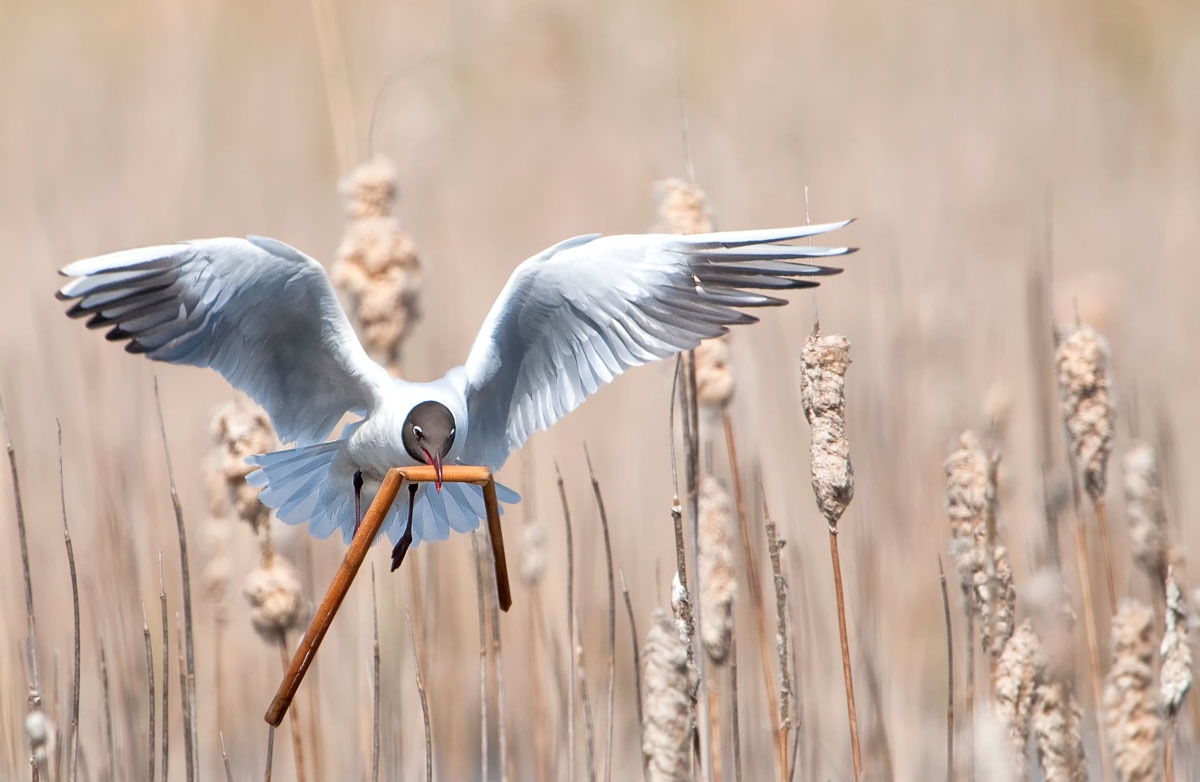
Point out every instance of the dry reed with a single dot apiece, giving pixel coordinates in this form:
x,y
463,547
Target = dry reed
x,y
1132,718
822,390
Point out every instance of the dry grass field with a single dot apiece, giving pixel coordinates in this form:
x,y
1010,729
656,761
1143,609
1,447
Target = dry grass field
x,y
1011,166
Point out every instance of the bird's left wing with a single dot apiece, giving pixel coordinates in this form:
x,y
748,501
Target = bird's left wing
x,y
261,313
574,317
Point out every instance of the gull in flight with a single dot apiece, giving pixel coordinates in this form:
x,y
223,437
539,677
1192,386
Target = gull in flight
x,y
569,320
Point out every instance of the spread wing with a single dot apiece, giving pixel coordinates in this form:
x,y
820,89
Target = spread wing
x,y
574,317
261,313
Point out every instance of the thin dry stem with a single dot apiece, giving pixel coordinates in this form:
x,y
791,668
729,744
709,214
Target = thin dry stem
x,y
375,665
35,696
589,733
774,548
734,721
424,700
612,620
75,687
483,662
166,681
110,757
846,672
493,606
562,493
758,602
637,668
150,687
189,694
691,439
949,674
294,714
270,753
1089,622
225,757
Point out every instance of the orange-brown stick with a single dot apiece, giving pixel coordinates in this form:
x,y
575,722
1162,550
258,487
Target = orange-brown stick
x,y
367,531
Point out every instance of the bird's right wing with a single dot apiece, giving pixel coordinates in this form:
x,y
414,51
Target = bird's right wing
x,y
574,317
261,313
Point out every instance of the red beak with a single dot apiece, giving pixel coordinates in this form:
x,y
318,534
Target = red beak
x,y
436,461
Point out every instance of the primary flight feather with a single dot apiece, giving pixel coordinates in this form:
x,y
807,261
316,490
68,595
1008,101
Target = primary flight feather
x,y
569,320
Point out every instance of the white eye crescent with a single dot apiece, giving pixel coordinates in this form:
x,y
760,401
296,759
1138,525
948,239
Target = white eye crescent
x,y
417,431
452,431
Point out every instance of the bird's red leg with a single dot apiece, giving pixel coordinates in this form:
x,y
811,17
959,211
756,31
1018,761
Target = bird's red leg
x,y
406,539
358,481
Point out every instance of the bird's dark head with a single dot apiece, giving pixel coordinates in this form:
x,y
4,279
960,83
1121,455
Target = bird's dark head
x,y
428,435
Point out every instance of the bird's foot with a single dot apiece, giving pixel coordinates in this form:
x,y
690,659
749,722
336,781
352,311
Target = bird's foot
x,y
358,484
406,539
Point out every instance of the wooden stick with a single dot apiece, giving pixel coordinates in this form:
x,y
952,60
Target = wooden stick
x,y
367,531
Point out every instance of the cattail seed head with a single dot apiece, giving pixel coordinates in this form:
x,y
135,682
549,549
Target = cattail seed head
x,y
968,489
41,734
239,429
1088,403
1176,673
718,581
1131,716
376,264
1057,721
823,394
277,603
1014,682
997,610
682,208
1147,518
533,553
681,608
668,717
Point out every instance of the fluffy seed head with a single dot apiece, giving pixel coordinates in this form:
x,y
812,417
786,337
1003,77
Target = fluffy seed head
x,y
823,394
1088,404
1176,673
239,428
714,377
668,718
1147,518
277,604
1056,722
1131,716
996,611
968,492
682,208
718,581
1014,681
376,264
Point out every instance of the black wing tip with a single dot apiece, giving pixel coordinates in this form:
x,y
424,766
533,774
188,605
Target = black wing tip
x,y
98,321
135,347
116,334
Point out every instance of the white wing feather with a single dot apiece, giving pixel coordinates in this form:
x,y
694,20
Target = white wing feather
x,y
577,315
261,313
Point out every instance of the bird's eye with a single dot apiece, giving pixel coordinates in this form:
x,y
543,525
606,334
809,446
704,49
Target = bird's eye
x,y
452,431
417,431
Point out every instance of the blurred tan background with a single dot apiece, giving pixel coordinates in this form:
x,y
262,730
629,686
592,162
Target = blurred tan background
x,y
972,143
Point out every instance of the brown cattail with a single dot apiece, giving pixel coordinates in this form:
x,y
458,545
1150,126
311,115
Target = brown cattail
x,y
376,264
1057,730
239,429
718,581
1014,682
668,719
1057,717
996,610
684,209
1147,518
1176,674
277,603
822,392
1088,405
1131,713
968,493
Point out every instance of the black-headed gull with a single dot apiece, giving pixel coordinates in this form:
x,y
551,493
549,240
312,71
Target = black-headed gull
x,y
569,320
